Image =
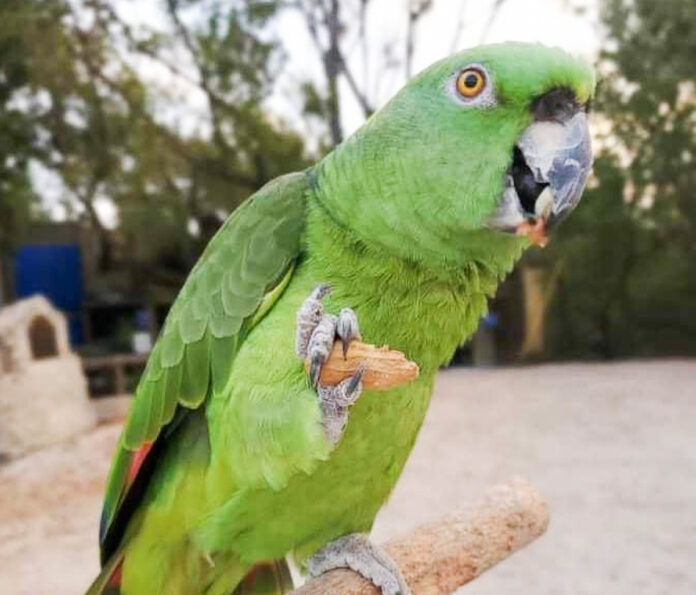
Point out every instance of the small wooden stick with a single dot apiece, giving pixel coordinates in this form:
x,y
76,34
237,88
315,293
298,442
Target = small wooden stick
x,y
440,557
385,368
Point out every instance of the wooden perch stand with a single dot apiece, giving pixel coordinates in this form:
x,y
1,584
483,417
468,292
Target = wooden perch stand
x,y
440,557
384,367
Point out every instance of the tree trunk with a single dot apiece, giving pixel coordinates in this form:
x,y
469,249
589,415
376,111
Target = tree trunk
x,y
332,67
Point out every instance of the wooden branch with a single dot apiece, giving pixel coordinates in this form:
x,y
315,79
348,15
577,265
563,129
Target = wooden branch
x,y
440,557
384,368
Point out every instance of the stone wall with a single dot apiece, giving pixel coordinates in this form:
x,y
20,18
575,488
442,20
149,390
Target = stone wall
x,y
44,403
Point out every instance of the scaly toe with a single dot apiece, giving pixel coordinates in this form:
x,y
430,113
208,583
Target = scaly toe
x,y
320,344
309,315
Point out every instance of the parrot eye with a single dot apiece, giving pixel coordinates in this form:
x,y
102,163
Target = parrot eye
x,y
472,87
471,82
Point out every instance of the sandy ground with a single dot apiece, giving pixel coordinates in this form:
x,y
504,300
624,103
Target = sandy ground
x,y
613,447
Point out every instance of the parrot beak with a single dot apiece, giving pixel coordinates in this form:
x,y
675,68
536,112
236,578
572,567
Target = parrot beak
x,y
550,165
559,155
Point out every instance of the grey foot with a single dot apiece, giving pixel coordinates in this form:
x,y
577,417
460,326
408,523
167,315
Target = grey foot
x,y
357,553
316,333
335,402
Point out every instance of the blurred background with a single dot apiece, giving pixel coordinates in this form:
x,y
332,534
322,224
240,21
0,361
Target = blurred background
x,y
129,131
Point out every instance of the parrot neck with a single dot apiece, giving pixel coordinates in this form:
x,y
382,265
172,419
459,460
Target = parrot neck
x,y
363,188
424,311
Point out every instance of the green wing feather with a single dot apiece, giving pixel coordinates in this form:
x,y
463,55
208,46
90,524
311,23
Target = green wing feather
x,y
240,275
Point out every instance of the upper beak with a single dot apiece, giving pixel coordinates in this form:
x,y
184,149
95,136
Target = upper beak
x,y
559,154
551,162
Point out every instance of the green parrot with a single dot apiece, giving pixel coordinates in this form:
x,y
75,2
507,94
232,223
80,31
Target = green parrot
x,y
233,457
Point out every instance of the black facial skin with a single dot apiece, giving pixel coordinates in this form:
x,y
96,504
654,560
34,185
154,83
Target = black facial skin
x,y
528,189
558,105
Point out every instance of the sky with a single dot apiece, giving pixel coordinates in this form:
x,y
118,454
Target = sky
x,y
449,26
552,22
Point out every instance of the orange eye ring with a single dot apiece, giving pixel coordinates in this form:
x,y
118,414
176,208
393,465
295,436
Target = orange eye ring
x,y
471,82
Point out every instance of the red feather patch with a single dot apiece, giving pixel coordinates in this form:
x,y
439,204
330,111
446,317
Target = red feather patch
x,y
138,459
116,576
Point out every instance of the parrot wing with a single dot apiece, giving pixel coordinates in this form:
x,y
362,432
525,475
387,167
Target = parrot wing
x,y
240,275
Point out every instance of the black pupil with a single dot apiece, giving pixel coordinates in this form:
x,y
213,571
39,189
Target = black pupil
x,y
470,81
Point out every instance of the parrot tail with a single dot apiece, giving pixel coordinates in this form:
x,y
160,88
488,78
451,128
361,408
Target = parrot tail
x,y
109,580
264,578
270,577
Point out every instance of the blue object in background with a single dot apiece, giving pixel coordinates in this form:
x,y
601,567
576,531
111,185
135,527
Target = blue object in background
x,y
142,319
54,270
490,320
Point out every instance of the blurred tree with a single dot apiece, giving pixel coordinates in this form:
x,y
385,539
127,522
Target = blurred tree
x,y
627,284
335,28
240,148
17,135
339,32
81,107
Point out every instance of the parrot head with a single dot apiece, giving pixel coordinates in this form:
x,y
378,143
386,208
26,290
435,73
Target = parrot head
x,y
478,155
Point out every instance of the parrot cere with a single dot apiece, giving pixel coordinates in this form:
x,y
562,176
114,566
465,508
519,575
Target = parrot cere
x,y
234,455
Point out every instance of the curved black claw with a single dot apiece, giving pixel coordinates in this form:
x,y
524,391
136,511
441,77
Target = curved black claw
x,y
315,370
320,345
347,328
355,380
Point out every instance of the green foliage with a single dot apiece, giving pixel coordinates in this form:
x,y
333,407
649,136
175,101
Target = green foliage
x,y
88,115
628,255
17,136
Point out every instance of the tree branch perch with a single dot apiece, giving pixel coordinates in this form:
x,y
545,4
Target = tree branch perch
x,y
439,557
